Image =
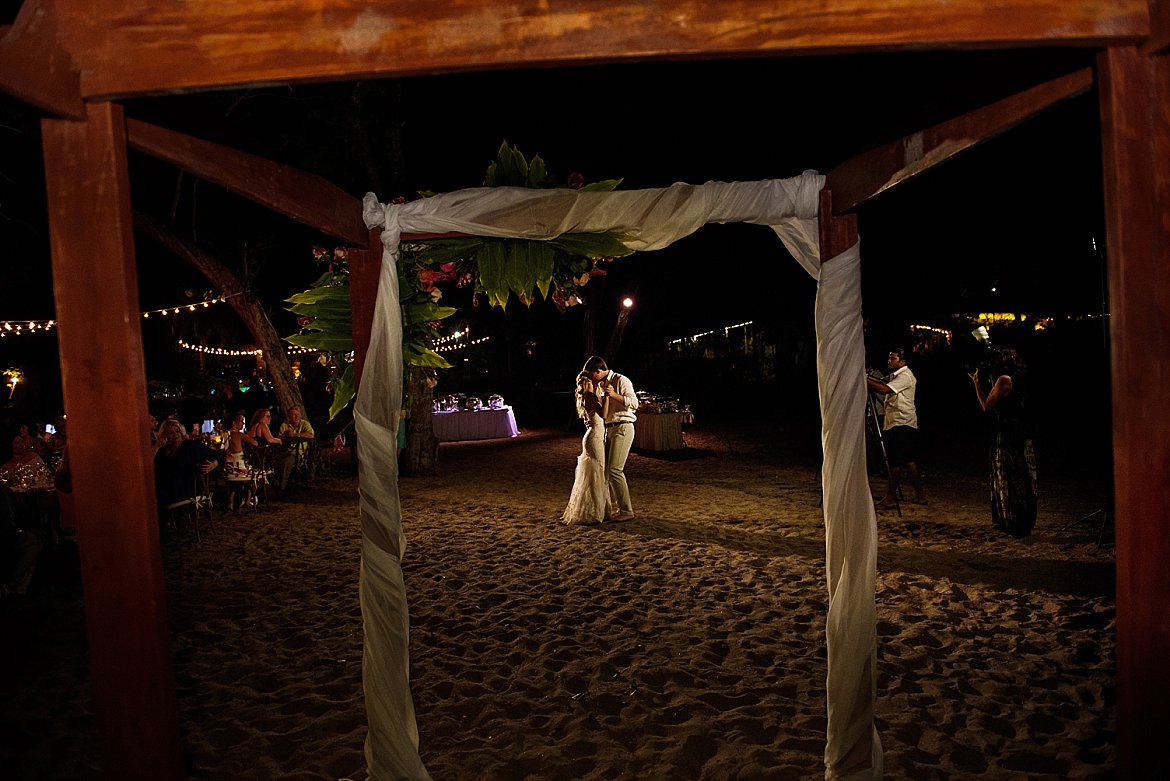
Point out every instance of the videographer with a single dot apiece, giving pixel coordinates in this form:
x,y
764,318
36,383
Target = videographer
x,y
900,427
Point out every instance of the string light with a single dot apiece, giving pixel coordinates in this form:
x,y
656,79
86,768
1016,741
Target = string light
x,y
446,348
174,310
291,350
20,327
217,350
944,333
725,329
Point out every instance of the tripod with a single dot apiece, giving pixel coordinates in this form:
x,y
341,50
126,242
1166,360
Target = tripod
x,y
874,428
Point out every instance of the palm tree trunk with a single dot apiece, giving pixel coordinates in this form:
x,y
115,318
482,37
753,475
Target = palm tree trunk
x,y
422,448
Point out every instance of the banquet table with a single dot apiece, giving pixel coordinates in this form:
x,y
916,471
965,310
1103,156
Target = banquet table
x,y
659,431
458,426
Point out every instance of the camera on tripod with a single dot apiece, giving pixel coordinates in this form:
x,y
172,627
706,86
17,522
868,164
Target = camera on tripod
x,y
980,356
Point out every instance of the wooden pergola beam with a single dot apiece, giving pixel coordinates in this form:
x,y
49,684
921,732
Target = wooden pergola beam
x,y
103,378
1135,137
305,197
130,47
871,173
34,67
1159,40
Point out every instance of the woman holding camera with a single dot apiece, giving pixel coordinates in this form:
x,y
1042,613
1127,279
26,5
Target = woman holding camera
x,y
1012,460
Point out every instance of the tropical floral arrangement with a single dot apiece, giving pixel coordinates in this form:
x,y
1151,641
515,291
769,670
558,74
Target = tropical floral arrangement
x,y
495,268
499,267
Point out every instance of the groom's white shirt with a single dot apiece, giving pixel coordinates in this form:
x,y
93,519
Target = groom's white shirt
x,y
621,411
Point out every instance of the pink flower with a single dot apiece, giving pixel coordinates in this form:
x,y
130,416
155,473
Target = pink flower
x,y
398,199
576,180
340,253
303,321
448,268
319,253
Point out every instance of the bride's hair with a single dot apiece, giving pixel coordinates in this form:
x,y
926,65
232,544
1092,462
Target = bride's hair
x,y
579,394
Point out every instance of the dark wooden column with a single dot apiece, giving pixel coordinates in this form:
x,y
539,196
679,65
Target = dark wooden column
x,y
1135,135
365,266
99,333
837,233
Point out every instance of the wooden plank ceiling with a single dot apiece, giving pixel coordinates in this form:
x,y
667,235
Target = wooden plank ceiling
x,y
128,47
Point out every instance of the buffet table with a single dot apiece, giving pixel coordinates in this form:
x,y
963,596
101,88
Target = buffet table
x,y
659,431
457,426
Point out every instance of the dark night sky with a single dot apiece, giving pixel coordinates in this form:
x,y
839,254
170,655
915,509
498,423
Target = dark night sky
x,y
1019,213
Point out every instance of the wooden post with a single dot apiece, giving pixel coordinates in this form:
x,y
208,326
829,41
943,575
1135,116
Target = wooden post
x,y
837,233
104,384
364,268
1135,136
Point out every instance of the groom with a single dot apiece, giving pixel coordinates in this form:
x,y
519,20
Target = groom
x,y
619,431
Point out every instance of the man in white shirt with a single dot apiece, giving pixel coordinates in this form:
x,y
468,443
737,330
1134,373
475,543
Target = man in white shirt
x,y
619,431
901,426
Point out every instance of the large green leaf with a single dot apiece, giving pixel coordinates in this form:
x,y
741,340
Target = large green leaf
x,y
335,343
425,313
592,245
604,186
417,355
537,175
343,391
321,295
492,264
438,251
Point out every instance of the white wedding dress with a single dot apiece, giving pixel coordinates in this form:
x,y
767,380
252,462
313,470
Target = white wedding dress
x,y
590,501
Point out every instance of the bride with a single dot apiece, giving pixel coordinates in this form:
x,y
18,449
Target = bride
x,y
590,501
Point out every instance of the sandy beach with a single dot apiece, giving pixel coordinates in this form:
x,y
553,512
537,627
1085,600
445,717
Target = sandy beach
x,y
686,644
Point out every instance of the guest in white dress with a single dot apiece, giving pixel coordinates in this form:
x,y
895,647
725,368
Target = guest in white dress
x,y
590,500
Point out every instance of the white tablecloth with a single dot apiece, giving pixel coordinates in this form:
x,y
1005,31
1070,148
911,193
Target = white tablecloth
x,y
482,424
659,431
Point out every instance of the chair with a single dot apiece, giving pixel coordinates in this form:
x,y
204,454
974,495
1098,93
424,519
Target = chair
x,y
205,501
258,458
301,461
194,508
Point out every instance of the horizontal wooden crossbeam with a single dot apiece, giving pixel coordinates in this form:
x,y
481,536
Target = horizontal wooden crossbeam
x,y
868,174
132,47
305,197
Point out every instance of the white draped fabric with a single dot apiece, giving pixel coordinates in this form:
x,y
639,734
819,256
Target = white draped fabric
x,y
650,219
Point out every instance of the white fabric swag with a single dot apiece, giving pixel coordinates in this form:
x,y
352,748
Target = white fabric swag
x,y
652,219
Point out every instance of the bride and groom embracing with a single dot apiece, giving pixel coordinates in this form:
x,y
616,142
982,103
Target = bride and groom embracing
x,y
606,403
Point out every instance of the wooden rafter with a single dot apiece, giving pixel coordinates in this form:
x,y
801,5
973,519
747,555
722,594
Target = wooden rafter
x,y
868,174
1159,40
305,197
130,47
34,67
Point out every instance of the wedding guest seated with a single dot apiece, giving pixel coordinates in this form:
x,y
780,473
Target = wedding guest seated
x,y
152,424
25,466
261,429
178,464
236,471
22,538
26,446
296,433
55,442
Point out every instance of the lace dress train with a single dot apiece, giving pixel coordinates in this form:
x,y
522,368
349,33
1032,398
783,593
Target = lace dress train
x,y
590,500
